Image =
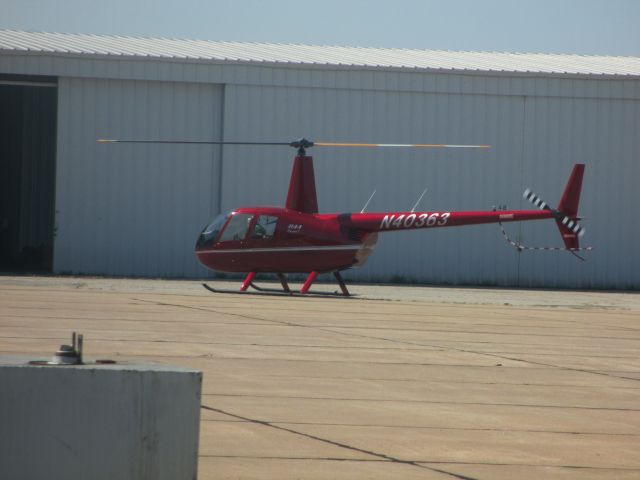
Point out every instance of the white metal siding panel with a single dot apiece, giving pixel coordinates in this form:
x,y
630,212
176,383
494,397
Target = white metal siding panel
x,y
134,209
602,134
322,76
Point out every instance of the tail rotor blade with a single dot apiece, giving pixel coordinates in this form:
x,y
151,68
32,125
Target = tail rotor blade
x,y
573,225
535,199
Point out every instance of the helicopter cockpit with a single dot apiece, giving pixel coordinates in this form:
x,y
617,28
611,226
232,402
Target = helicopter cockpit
x,y
236,228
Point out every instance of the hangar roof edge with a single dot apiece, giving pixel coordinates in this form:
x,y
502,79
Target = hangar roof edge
x,y
301,55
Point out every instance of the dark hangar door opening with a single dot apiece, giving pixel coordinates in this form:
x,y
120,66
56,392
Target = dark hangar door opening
x,y
28,111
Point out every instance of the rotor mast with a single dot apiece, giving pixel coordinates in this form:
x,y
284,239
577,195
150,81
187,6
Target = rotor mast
x,y
302,196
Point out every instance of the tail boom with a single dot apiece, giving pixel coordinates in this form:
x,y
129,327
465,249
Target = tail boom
x,y
391,221
565,215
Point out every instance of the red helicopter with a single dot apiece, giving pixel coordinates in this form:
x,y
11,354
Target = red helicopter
x,y
297,239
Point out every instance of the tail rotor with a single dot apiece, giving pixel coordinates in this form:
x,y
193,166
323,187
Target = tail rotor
x,y
565,214
564,222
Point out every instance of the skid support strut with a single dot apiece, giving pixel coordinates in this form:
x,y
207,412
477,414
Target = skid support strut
x,y
283,281
343,287
247,281
307,284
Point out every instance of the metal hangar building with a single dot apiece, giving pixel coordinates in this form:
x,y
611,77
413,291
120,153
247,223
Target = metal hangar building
x,y
71,205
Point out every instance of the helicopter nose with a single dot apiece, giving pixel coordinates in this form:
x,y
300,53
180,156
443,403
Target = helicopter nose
x,y
201,242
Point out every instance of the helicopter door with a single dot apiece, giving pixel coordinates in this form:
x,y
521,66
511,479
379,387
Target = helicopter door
x,y
235,232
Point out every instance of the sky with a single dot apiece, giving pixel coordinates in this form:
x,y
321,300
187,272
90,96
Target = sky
x,y
585,27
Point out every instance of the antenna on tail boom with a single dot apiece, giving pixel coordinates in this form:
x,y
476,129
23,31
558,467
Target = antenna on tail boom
x,y
367,203
419,198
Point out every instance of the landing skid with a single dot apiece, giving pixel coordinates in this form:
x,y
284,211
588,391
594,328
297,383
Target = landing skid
x,y
248,282
274,292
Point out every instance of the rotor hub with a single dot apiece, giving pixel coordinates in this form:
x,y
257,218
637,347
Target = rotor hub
x,y
301,144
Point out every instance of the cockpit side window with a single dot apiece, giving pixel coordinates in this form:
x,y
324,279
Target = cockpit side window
x,y
265,228
237,227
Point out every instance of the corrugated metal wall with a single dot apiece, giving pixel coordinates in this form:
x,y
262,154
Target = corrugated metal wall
x,y
603,133
134,209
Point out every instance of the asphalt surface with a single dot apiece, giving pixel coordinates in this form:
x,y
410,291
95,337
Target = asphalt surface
x,y
398,382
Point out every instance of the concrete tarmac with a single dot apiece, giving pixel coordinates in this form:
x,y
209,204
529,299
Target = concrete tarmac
x,y
399,382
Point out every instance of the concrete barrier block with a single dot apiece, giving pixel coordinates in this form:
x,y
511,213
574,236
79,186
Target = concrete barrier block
x,y
121,421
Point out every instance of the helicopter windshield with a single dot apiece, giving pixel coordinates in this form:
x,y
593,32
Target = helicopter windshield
x,y
237,227
209,234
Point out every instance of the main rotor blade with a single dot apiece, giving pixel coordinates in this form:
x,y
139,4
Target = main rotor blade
x,y
304,143
192,142
391,145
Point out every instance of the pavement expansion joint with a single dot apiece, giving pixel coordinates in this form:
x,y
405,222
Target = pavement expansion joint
x,y
337,444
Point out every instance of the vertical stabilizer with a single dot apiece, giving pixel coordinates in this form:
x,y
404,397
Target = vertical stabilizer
x,y
567,220
571,197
